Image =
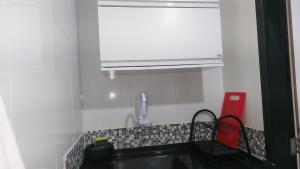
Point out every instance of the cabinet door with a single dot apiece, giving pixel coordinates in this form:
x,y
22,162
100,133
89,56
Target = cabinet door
x,y
158,33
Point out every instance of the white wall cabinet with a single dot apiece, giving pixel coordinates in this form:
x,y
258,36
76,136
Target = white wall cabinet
x,y
159,35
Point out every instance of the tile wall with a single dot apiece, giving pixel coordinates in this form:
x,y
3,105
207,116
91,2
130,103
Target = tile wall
x,y
39,78
256,141
148,136
74,157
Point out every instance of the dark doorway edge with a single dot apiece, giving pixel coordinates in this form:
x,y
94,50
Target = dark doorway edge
x,y
276,83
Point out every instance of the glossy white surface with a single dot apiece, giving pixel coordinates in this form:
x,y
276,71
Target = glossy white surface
x,y
159,36
184,1
241,71
151,3
173,96
39,77
10,156
160,64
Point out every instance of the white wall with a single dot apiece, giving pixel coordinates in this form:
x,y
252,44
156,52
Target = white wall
x,y
39,77
241,71
173,96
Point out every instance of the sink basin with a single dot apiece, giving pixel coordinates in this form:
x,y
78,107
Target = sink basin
x,y
165,162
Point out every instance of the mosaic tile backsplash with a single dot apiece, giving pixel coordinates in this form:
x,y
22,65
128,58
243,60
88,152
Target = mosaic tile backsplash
x,y
148,136
74,157
256,141
170,134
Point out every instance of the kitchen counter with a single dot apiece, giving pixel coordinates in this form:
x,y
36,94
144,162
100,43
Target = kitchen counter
x,y
177,156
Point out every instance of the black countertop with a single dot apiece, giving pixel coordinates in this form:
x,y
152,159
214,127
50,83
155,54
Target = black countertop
x,y
177,156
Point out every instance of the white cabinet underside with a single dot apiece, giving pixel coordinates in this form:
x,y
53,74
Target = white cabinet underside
x,y
160,64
